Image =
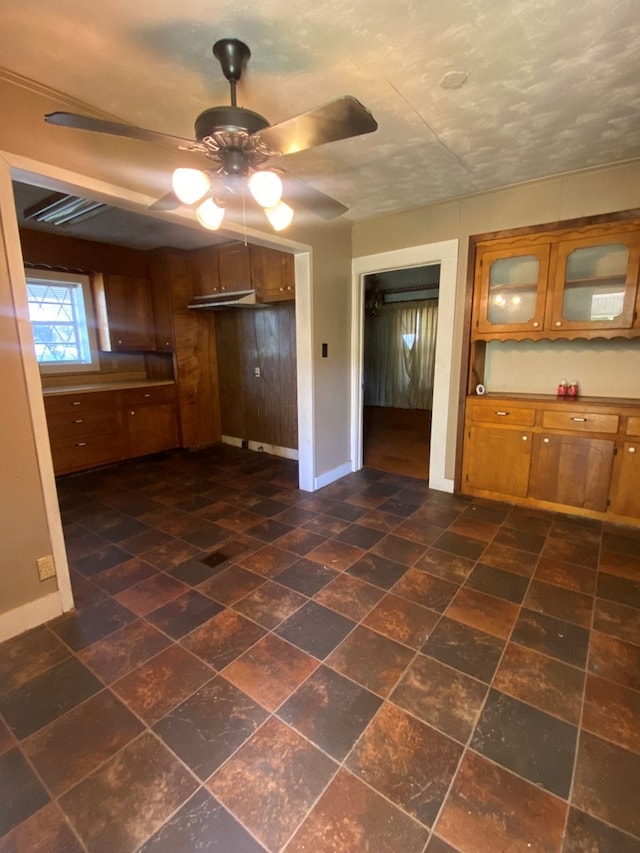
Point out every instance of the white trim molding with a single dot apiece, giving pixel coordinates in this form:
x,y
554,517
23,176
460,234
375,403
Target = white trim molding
x,y
30,615
444,253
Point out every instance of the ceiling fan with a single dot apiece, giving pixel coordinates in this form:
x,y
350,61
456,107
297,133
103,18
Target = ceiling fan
x,y
239,143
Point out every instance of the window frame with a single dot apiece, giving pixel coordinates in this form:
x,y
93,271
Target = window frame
x,y
83,281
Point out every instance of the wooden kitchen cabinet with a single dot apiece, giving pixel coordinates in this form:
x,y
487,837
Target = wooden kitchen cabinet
x,y
84,430
234,266
511,288
562,283
273,275
205,272
150,419
624,497
571,469
577,456
124,310
595,284
91,428
498,460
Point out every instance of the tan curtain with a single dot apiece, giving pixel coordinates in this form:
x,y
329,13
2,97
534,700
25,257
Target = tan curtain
x,y
399,355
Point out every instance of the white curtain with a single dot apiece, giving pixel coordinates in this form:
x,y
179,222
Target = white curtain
x,y
399,355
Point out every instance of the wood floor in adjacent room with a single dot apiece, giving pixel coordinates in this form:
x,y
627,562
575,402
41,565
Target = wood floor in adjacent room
x,y
397,440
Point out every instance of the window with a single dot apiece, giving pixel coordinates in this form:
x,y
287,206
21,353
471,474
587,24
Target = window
x,y
61,317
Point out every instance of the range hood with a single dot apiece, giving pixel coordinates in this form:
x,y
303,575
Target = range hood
x,y
228,299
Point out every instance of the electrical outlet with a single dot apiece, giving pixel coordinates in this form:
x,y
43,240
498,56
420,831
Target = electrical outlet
x,y
46,567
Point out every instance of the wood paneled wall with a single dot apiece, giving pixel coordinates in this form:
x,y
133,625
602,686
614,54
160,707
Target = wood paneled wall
x,y
264,408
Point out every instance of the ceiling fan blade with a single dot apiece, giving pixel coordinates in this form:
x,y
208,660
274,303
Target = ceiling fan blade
x,y
301,194
170,201
114,128
339,119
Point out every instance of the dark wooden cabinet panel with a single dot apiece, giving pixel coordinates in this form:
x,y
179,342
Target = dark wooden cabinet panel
x,y
625,487
572,470
204,271
125,313
273,275
151,428
234,265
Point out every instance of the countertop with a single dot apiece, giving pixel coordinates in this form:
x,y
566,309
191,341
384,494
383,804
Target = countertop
x,y
88,387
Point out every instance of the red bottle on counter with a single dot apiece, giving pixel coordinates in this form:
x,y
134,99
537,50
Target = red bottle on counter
x,y
573,389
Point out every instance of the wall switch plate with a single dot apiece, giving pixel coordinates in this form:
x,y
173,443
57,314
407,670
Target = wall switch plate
x,y
46,567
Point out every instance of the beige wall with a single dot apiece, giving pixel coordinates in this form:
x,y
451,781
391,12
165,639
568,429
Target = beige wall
x,y
24,532
554,199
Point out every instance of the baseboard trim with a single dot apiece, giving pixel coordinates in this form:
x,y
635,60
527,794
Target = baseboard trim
x,y
29,615
333,475
261,447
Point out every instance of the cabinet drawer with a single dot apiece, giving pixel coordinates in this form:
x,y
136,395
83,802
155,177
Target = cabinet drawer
x,y
633,425
577,421
148,395
83,401
497,413
75,455
79,424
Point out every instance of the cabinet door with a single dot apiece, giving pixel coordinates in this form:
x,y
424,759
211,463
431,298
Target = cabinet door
x,y
151,429
498,460
234,264
204,271
625,494
596,282
273,275
125,313
512,287
572,469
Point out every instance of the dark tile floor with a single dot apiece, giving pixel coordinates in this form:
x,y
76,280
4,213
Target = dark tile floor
x,y
373,667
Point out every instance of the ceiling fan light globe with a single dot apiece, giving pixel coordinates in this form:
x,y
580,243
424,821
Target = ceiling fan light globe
x,y
280,216
190,185
210,215
266,188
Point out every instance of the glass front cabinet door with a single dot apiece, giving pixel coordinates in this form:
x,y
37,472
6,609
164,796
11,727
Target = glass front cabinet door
x,y
512,289
595,284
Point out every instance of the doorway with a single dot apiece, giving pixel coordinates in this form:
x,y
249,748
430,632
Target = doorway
x,y
400,331
445,391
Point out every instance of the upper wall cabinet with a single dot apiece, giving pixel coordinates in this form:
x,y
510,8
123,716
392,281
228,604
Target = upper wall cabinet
x,y
125,313
512,286
273,275
595,283
234,265
558,284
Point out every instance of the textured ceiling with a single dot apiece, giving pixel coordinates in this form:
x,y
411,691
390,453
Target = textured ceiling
x,y
552,85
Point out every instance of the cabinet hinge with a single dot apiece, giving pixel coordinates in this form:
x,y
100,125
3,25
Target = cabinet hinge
x,y
608,503
615,450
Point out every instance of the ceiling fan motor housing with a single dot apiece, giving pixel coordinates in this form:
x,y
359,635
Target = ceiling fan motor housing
x,y
229,119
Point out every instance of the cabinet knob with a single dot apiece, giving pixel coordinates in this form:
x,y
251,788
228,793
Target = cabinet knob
x,y
167,343
78,421
132,412
558,323
525,438
76,403
535,324
119,342
147,395
503,414
546,440
81,444
632,450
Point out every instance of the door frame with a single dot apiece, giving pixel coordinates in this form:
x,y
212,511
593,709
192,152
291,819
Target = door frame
x,y
444,253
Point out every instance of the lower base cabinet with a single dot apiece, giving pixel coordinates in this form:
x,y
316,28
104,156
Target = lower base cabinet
x,y
576,456
572,470
92,428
